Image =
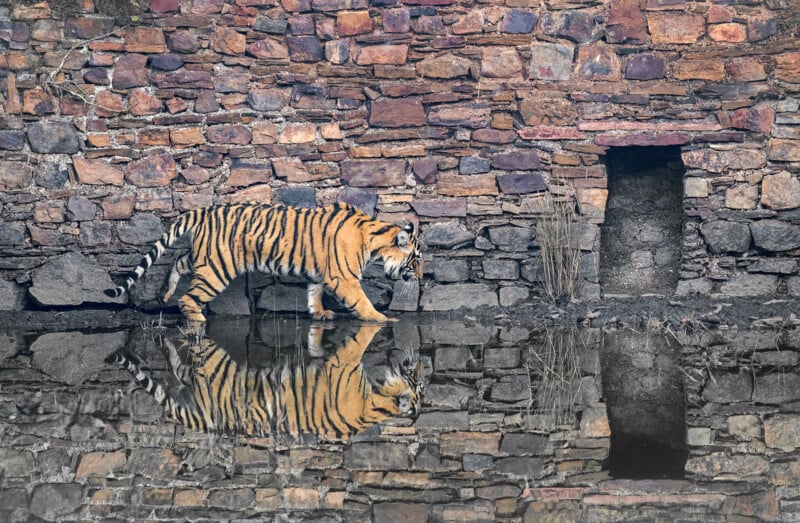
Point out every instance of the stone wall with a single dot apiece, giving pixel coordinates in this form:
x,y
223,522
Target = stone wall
x,y
471,118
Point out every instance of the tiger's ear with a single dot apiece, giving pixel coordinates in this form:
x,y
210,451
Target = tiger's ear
x,y
402,238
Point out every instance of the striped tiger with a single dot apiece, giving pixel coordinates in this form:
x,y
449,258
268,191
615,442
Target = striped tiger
x,y
332,400
328,246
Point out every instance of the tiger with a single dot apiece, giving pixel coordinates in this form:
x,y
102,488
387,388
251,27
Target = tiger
x,y
332,400
328,247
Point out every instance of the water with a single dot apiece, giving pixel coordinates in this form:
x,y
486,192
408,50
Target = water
x,y
511,422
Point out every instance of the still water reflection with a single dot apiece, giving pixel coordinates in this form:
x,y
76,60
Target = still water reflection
x,y
326,393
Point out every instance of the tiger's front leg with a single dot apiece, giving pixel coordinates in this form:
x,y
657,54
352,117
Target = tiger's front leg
x,y
354,298
315,307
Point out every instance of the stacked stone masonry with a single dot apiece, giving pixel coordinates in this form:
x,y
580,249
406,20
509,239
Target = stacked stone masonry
x,y
470,119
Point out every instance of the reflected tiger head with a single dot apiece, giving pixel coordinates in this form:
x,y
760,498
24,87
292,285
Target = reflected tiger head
x,y
403,382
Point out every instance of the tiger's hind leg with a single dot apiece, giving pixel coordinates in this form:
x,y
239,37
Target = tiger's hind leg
x,y
183,265
315,307
205,286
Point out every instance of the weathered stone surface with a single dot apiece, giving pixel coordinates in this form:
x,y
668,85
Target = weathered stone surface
x,y
440,207
447,235
722,236
472,185
777,388
625,23
51,501
550,61
457,295
130,71
775,235
516,160
720,463
576,25
383,54
444,66
14,175
12,140
157,170
741,197
780,191
645,66
501,269
511,238
97,172
71,279
397,112
598,63
675,28
449,271
226,40
376,456
283,298
511,389
142,229
782,431
373,173
521,183
12,296
142,39
510,296
53,138
405,296
750,285
472,116
472,165
500,62
269,48
73,357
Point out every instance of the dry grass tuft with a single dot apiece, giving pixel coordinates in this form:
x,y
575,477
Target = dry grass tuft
x,y
559,252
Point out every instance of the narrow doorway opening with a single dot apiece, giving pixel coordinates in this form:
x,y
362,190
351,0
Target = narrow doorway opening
x,y
640,246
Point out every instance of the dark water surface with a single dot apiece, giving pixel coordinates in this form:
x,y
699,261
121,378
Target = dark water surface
x,y
280,419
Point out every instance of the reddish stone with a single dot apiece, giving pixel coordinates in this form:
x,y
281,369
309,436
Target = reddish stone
x,y
757,118
646,66
108,104
246,174
384,54
49,212
143,39
157,170
164,6
97,172
140,103
183,41
521,183
302,25
745,69
100,464
37,102
130,71
326,29
497,136
297,6
444,66
87,28
374,173
784,150
186,137
232,134
468,115
397,112
425,170
712,70
516,161
269,48
203,7
574,25
763,505
184,79
228,41
25,11
548,110
500,62
351,23
467,185
195,175
305,48
598,63
428,25
728,32
718,14
550,133
118,206
46,31
625,23
787,67
396,21
643,139
298,133
675,28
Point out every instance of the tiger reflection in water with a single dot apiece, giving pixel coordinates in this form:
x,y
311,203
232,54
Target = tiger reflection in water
x,y
333,399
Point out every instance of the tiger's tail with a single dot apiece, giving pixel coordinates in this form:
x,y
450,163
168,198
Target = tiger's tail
x,y
178,228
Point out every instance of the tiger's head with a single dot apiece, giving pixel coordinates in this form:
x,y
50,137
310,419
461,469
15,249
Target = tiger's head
x,y
400,251
403,383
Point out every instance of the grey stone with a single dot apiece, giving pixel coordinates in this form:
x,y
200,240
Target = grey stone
x,y
447,234
96,233
722,237
450,270
305,197
517,21
777,388
11,343
775,235
472,165
141,229
73,357
232,301
780,358
501,358
501,269
451,358
80,208
283,298
523,467
750,285
510,296
458,420
377,456
238,498
51,501
53,138
11,140
52,176
773,266
12,234
267,99
428,458
476,462
793,285
457,295
513,388
71,279
694,286
16,463
364,199
511,238
449,332
270,26
726,387
166,62
405,296
448,395
12,296
393,511
12,499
